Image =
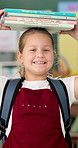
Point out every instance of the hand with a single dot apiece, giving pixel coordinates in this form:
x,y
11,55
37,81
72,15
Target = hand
x,y
73,33
1,26
4,27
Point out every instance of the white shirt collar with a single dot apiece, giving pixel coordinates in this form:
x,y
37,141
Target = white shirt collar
x,y
44,84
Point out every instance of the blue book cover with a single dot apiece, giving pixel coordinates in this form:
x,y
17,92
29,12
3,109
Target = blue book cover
x,y
59,17
39,12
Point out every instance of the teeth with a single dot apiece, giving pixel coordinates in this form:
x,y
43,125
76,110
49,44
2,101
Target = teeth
x,y
40,62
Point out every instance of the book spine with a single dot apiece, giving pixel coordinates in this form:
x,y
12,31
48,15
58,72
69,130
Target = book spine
x,y
40,20
22,26
38,23
40,16
39,12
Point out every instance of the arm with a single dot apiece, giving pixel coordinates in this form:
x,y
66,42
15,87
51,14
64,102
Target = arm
x,y
73,33
1,26
76,87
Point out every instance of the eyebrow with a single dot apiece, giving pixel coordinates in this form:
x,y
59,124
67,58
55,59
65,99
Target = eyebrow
x,y
36,46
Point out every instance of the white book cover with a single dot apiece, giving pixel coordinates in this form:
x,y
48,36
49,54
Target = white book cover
x,y
52,27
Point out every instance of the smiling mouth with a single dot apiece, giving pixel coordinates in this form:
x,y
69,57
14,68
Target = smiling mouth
x,y
39,62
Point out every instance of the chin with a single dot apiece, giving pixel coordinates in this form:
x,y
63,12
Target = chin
x,y
40,74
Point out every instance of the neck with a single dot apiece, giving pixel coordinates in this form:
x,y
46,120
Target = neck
x,y
35,78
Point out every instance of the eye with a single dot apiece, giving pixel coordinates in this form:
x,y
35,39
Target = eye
x,y
33,50
46,49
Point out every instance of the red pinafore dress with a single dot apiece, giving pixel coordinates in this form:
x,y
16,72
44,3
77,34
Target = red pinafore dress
x,y
35,121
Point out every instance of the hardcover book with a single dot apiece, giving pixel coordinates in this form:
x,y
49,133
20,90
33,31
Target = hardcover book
x,y
30,19
51,27
38,12
39,16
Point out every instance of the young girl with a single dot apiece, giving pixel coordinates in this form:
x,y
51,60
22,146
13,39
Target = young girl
x,y
36,118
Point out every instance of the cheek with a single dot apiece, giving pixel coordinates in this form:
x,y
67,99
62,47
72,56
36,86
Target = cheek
x,y
27,59
51,61
51,58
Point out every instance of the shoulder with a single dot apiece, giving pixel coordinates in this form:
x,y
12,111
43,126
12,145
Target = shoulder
x,y
69,82
3,81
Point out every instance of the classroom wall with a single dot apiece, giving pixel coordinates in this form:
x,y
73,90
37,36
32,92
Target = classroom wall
x,y
31,4
68,48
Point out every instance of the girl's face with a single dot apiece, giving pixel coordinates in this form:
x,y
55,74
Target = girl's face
x,y
37,56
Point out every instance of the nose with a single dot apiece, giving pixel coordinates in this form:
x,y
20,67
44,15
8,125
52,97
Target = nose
x,y
39,54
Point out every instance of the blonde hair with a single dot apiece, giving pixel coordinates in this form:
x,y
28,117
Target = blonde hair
x,y
22,42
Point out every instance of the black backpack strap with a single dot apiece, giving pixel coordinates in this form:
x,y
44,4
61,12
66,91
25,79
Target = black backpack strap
x,y
62,97
9,93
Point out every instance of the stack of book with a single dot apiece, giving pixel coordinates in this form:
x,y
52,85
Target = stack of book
x,y
19,19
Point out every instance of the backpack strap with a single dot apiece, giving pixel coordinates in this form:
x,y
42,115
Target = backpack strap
x,y
9,93
62,97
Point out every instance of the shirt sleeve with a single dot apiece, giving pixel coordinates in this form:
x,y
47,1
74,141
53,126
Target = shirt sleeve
x,y
2,84
69,82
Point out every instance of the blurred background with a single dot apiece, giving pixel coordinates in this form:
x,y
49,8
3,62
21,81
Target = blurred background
x,y
66,61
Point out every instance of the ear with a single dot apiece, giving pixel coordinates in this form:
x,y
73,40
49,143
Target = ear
x,y
55,53
20,57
